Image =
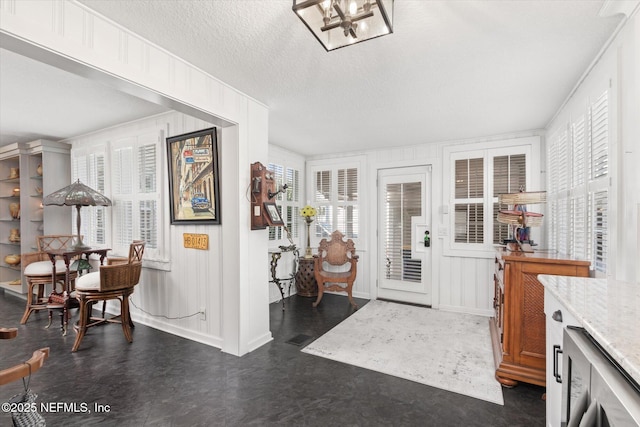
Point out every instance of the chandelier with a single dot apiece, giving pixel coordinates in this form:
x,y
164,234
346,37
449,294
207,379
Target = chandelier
x,y
339,23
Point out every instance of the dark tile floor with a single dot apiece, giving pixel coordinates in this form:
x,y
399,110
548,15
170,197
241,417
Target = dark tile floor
x,y
164,380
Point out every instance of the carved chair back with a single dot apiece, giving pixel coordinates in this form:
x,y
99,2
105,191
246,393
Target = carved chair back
x,y
337,252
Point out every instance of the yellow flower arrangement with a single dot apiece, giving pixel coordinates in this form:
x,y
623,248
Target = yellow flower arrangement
x,y
308,212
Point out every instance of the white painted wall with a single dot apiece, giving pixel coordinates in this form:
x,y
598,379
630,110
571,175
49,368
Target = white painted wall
x,y
72,37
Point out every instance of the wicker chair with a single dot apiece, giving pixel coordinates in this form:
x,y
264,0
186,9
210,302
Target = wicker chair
x,y
115,280
335,263
38,270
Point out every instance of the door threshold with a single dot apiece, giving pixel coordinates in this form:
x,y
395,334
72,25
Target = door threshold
x,y
405,303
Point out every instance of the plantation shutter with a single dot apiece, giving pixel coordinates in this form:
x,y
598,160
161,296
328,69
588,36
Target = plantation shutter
x,y
322,201
598,185
599,137
336,198
293,201
275,233
147,187
509,176
600,230
123,163
135,194
347,203
578,214
469,204
288,202
89,169
578,159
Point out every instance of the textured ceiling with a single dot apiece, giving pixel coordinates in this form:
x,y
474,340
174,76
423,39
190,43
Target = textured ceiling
x,y
451,69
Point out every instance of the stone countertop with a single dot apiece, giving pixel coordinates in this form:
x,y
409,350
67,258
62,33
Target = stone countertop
x,y
608,309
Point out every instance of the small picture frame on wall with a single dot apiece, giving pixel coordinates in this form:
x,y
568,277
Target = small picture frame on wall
x,y
273,214
194,180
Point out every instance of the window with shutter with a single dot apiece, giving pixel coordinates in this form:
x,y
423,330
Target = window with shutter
x,y
476,178
288,203
132,186
135,194
337,200
90,169
578,158
469,209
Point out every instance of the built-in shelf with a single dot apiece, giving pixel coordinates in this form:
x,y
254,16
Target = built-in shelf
x,y
30,160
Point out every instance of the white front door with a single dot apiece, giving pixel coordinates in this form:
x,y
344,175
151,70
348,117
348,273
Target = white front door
x,y
404,219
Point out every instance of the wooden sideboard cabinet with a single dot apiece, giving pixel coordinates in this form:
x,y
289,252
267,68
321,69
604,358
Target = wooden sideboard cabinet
x,y
518,326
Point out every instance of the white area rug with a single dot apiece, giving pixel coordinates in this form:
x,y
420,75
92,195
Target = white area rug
x,y
451,351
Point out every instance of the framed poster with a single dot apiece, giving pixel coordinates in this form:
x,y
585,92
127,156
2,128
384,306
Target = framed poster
x,y
194,180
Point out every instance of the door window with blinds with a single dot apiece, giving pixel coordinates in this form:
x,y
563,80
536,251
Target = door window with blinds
x,y
478,178
403,201
288,203
336,197
578,159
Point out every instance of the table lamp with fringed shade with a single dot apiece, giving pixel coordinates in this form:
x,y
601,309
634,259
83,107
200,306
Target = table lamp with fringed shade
x,y
78,195
519,218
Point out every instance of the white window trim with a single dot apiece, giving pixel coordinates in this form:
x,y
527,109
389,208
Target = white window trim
x,y
530,146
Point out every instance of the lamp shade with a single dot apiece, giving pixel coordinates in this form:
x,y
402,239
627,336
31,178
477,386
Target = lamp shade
x,y
78,195
339,23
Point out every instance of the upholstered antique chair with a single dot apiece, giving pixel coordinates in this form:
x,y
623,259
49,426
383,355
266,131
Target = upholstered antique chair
x,y
114,281
335,266
38,270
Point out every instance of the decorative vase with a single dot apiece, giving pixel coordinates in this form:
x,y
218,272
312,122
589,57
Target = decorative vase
x,y
307,253
14,235
14,208
39,170
12,259
14,173
16,192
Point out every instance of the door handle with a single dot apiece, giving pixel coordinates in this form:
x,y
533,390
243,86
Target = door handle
x,y
556,351
427,239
